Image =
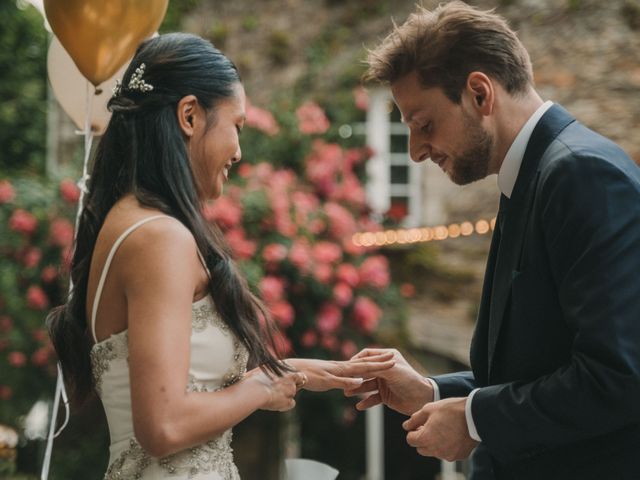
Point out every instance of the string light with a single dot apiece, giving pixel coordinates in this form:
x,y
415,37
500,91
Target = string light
x,y
424,234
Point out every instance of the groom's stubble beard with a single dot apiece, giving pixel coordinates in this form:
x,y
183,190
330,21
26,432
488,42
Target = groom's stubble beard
x,y
473,163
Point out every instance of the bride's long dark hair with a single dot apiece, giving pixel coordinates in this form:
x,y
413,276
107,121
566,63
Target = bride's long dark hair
x,y
143,152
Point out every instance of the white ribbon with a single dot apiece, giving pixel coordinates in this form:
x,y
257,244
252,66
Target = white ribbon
x,y
61,392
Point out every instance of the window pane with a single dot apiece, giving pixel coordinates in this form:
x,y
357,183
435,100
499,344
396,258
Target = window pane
x,y
400,174
399,144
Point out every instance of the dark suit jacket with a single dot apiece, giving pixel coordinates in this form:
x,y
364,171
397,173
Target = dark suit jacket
x,y
556,349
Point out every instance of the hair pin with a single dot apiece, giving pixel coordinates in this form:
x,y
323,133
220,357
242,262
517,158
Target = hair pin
x,y
136,83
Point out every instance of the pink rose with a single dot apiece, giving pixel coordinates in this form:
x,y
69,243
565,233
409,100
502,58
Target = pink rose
x,y
32,257
361,98
61,232
274,252
300,255
327,252
23,222
245,170
329,342
241,247
40,357
351,248
311,118
36,298
348,274
7,193
323,273
283,313
342,294
262,120
16,359
323,165
69,191
309,339
341,220
374,271
366,314
224,211
49,274
272,288
329,318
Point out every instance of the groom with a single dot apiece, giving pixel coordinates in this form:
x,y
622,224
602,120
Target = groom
x,y
554,391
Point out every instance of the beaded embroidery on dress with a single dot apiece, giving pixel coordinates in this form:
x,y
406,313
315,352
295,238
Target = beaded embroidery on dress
x,y
218,359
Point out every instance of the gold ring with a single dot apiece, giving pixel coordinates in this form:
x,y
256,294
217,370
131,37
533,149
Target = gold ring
x,y
303,382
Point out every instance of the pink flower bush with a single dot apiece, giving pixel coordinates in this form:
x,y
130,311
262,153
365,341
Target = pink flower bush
x,y
17,359
23,222
361,98
61,232
329,318
262,120
271,288
241,246
69,191
366,314
36,298
36,232
7,193
224,211
374,271
311,119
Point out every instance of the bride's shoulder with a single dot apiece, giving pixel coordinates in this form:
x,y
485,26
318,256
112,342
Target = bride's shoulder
x,y
156,235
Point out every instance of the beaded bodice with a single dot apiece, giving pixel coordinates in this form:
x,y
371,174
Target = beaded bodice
x,y
218,360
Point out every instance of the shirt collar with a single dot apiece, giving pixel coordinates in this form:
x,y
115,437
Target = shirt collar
x,y
513,159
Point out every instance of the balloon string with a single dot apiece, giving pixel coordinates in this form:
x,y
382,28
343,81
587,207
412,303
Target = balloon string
x,y
60,388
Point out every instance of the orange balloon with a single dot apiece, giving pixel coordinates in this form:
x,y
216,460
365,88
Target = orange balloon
x,y
101,35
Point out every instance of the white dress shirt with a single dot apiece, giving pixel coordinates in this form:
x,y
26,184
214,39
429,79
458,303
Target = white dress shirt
x,y
506,181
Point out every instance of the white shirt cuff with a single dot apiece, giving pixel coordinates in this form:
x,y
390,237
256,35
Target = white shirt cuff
x,y
436,389
473,432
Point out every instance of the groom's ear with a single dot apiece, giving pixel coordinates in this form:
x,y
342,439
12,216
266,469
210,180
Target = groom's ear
x,y
480,90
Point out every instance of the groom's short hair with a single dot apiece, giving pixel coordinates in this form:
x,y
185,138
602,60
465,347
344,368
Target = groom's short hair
x,y
444,45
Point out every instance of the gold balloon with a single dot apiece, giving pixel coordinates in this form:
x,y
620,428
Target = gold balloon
x,y
101,35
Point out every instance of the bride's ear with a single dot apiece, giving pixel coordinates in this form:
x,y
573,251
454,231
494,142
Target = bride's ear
x,y
186,112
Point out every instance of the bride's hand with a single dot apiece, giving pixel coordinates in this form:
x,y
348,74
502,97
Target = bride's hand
x,y
323,375
279,392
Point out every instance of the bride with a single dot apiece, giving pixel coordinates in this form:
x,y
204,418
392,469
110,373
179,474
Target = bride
x,y
160,322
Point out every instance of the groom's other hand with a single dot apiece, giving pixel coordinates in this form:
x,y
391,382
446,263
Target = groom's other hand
x,y
439,429
400,387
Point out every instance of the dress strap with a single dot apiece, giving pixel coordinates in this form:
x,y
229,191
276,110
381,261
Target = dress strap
x,y
107,264
204,264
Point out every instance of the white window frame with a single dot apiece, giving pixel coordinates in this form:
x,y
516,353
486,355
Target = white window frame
x,y
379,188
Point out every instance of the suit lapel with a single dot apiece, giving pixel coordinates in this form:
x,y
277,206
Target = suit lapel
x,y
516,214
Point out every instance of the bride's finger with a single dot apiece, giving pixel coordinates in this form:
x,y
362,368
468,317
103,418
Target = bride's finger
x,y
370,401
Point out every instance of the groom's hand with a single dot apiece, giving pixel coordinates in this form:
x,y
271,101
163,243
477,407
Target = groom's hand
x,y
439,429
400,387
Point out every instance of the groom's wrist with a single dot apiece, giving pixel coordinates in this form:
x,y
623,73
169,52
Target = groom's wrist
x,y
435,388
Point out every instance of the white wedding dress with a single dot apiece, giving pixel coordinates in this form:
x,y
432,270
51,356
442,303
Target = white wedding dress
x,y
218,359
